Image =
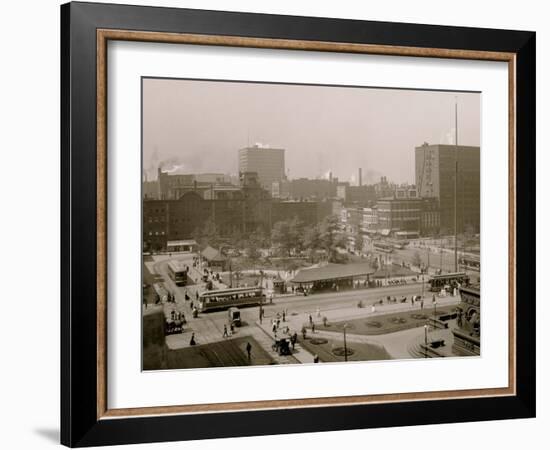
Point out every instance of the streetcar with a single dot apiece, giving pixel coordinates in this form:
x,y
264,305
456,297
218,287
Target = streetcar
x,y
400,245
448,281
383,247
178,272
469,262
227,298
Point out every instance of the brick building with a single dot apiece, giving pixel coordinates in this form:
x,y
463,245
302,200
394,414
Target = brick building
x,y
231,209
435,177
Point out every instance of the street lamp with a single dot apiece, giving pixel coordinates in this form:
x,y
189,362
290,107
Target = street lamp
x,y
345,344
426,341
435,307
422,283
261,310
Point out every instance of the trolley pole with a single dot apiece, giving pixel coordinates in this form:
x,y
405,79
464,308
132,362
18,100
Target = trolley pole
x,y
422,286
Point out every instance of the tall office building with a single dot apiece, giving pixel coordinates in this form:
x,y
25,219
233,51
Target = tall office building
x,y
268,163
435,177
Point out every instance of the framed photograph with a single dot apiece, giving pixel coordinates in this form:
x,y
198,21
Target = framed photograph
x,y
277,224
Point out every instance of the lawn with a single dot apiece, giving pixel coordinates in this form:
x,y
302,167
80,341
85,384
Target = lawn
x,y
330,350
387,323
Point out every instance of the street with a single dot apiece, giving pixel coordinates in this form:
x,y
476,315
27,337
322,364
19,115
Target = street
x,y
208,327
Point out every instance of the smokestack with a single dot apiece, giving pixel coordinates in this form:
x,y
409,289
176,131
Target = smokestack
x,y
360,174
330,176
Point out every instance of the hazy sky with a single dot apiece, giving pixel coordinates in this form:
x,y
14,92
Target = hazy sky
x,y
200,125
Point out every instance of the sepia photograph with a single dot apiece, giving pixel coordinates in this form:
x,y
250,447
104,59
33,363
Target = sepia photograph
x,y
308,224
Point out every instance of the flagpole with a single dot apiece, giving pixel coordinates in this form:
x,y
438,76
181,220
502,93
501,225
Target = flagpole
x,y
456,185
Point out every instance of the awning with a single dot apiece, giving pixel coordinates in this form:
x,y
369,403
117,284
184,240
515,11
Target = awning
x,y
333,272
182,243
407,233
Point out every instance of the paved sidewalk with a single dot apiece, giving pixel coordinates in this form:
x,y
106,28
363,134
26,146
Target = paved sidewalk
x,y
208,332
300,353
351,313
396,343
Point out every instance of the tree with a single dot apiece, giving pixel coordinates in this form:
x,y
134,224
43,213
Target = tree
x,y
417,260
286,235
237,240
359,241
260,237
331,237
313,241
297,231
281,236
253,245
211,234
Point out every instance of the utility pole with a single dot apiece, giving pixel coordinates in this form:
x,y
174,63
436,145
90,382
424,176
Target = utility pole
x,y
456,185
441,256
428,266
345,344
230,274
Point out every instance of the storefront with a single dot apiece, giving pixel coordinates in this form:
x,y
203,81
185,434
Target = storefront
x,y
188,245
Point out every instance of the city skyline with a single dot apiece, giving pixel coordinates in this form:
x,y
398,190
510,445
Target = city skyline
x,y
192,126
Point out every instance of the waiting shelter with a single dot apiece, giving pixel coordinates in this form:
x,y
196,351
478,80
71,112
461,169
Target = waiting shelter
x,y
332,277
214,258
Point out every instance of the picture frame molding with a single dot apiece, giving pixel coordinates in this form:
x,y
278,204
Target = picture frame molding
x,y
86,29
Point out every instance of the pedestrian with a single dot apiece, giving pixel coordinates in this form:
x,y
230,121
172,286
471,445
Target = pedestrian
x,y
192,341
278,322
225,331
231,328
315,359
274,326
313,328
249,350
196,295
191,305
293,340
433,299
284,316
304,332
422,303
310,319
